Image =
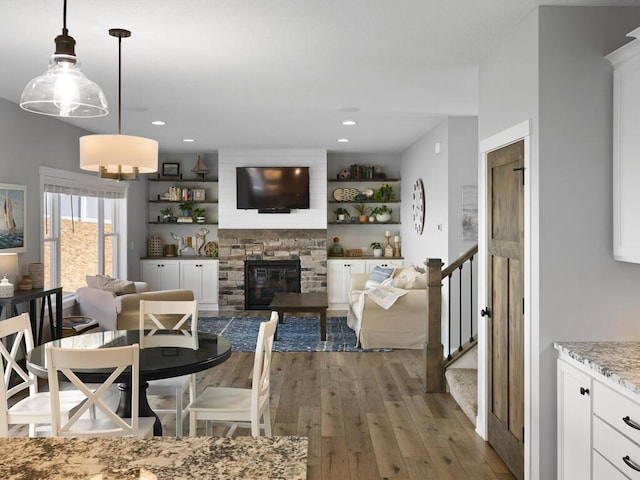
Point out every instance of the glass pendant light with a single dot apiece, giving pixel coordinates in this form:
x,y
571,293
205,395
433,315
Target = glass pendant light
x,y
63,90
120,157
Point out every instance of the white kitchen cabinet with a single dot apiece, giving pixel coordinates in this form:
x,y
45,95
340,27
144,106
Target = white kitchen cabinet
x,y
161,274
202,278
574,423
626,150
598,429
338,272
603,469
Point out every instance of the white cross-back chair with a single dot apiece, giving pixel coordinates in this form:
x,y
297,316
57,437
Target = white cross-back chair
x,y
242,407
15,338
107,423
173,315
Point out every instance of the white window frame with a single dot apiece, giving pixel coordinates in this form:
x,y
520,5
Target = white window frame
x,y
62,178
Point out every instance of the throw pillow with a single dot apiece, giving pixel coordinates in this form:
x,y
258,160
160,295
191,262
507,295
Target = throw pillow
x,y
379,276
115,285
405,277
417,282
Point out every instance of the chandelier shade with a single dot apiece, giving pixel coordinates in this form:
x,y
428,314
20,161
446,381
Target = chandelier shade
x,y
118,153
63,90
120,157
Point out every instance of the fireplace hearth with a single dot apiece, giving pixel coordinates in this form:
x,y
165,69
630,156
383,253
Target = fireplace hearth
x,y
264,278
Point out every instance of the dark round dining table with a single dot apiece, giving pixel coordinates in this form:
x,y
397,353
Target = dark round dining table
x,y
165,354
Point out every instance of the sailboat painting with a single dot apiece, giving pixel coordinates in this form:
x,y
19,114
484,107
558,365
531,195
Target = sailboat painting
x,y
12,218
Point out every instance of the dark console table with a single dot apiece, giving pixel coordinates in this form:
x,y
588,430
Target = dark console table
x,y
31,296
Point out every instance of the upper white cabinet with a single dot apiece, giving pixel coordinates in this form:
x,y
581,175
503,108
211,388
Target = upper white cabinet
x,y
626,150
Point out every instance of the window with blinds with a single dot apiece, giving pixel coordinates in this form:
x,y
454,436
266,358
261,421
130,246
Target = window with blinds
x,y
81,225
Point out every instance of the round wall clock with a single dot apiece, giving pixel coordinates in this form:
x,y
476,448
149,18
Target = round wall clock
x,y
418,206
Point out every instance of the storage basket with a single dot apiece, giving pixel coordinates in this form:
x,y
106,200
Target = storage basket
x,y
354,252
154,247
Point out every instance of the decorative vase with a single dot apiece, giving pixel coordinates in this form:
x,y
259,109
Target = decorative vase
x,y
25,283
170,250
362,218
6,288
377,252
372,219
200,219
36,272
383,217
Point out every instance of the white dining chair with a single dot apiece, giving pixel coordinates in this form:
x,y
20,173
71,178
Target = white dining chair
x,y
172,315
16,338
241,407
107,422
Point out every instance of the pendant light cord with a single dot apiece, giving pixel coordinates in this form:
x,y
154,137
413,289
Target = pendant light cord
x,y
119,33
119,85
64,17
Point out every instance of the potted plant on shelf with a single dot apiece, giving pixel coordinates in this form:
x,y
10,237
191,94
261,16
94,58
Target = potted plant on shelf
x,y
342,214
384,193
362,209
186,208
382,213
167,214
199,213
377,249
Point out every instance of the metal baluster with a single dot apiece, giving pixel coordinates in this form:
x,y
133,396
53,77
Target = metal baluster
x,y
460,308
449,330
471,296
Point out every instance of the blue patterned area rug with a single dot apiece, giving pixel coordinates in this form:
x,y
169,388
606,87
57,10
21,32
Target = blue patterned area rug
x,y
296,334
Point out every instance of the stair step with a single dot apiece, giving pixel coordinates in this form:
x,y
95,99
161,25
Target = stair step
x,y
463,386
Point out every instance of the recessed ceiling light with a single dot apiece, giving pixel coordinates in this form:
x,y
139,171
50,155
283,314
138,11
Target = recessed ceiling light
x,y
349,122
158,122
188,140
343,140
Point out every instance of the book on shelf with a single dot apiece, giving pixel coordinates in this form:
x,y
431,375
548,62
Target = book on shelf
x,y
185,220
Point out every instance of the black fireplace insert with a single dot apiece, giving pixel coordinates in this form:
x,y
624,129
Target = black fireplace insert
x,y
264,278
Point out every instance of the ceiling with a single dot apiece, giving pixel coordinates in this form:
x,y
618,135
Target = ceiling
x,y
271,73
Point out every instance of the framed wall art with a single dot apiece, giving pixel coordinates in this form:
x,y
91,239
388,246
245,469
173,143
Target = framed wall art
x,y
170,169
199,195
13,218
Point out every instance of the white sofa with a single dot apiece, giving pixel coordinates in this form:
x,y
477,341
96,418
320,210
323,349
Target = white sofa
x,y
121,312
403,325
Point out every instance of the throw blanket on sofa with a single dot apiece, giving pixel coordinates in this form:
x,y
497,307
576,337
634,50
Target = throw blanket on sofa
x,y
385,296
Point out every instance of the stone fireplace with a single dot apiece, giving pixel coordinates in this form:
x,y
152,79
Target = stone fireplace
x,y
308,248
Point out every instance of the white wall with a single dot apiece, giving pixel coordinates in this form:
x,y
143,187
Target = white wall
x,y
314,217
463,171
551,71
443,175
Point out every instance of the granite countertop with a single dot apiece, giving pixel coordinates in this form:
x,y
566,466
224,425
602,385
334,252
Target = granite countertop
x,y
158,458
618,361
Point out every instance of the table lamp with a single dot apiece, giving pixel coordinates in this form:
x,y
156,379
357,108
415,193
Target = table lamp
x,y
8,268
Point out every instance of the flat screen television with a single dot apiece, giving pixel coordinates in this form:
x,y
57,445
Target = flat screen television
x,y
272,189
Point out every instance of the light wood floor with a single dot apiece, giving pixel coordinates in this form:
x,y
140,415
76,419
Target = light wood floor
x,y
366,416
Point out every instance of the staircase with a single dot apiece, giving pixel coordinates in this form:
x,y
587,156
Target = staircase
x,y
451,356
462,382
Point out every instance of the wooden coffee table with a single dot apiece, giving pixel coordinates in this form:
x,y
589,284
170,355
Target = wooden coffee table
x,y
315,302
